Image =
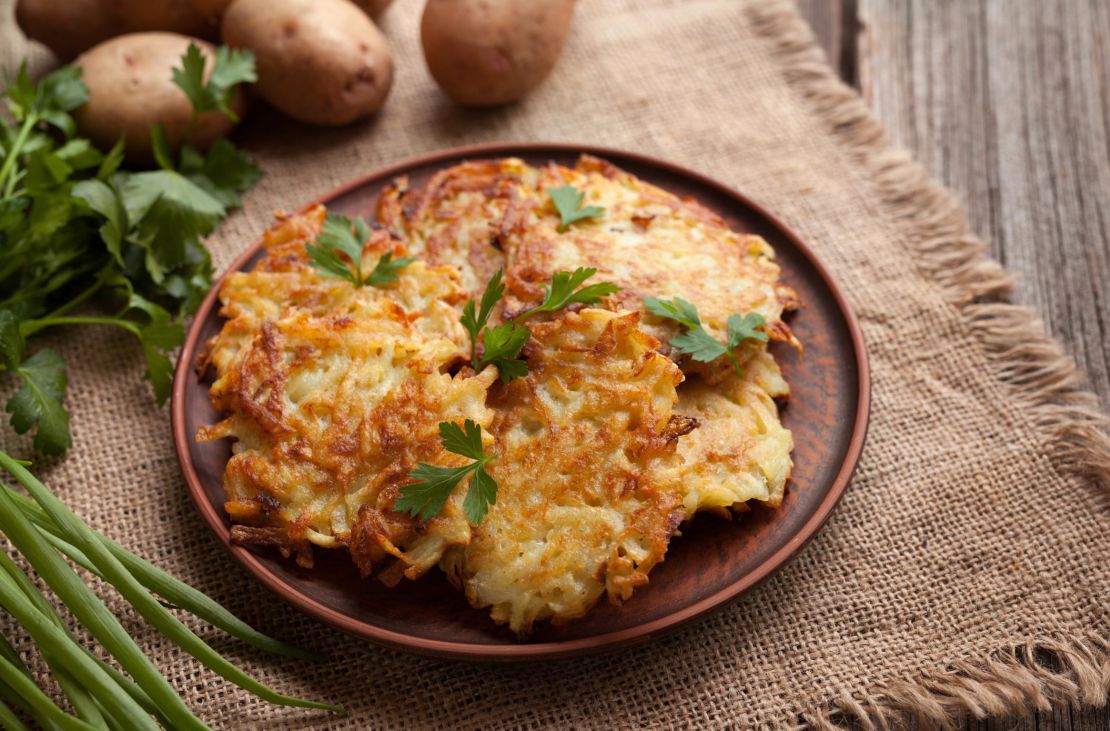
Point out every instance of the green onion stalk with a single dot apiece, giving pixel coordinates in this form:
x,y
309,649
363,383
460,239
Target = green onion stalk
x,y
45,533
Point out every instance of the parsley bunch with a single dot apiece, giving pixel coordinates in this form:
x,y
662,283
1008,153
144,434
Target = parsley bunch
x,y
337,253
76,228
425,498
699,344
503,344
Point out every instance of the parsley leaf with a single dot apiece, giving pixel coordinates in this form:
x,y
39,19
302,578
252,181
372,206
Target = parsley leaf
x,y
699,344
474,322
502,348
482,494
224,172
466,442
101,198
39,402
337,253
567,200
504,343
562,291
677,309
168,210
425,498
745,328
231,67
385,271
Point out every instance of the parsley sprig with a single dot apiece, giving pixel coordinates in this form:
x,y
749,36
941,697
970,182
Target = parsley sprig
x,y
503,344
568,202
699,344
424,499
231,68
76,228
337,253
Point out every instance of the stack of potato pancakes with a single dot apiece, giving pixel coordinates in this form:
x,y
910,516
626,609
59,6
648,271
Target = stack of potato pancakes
x,y
334,393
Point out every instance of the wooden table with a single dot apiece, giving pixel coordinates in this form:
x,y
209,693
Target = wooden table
x,y
1007,102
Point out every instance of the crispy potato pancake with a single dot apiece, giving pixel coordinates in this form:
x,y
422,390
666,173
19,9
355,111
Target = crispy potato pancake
x,y
580,510
334,393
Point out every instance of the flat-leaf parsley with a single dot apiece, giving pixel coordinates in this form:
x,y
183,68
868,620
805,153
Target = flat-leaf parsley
x,y
503,344
568,202
425,498
338,253
699,344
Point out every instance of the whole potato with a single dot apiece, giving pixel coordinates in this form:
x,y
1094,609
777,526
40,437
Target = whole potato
x,y
319,61
131,87
483,53
373,8
177,16
70,27
67,28
214,9
211,9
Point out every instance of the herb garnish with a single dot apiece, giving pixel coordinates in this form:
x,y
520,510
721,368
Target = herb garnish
x,y
425,499
503,344
568,202
337,253
231,67
74,227
699,344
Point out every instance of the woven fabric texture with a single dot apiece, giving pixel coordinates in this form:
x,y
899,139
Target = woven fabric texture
x,y
967,568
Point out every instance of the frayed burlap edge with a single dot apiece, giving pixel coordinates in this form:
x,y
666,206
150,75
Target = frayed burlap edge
x,y
1041,672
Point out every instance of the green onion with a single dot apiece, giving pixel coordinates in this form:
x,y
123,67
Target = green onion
x,y
18,681
83,538
15,699
121,680
171,589
79,698
9,720
89,610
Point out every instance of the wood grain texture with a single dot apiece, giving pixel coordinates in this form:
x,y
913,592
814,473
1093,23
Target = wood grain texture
x,y
1007,102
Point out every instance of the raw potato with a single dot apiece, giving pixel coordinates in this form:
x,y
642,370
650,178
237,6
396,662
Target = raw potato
x,y
373,8
177,16
215,9
70,27
66,28
319,61
211,9
131,87
484,53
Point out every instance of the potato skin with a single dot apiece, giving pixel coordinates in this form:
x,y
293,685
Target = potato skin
x,y
485,53
67,28
70,27
319,61
176,16
373,8
131,87
214,9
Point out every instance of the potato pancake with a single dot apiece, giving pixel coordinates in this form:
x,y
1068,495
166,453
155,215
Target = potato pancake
x,y
602,438
334,395
580,510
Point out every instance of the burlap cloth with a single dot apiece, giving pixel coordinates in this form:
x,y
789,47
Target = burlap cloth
x,y
967,568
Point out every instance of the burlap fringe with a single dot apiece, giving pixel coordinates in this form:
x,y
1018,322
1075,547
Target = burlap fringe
x,y
1042,672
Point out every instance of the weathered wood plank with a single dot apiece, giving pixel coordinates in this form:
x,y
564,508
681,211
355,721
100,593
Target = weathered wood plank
x,y
1008,104
834,22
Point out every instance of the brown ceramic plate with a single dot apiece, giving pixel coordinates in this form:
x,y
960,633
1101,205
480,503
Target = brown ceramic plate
x,y
712,563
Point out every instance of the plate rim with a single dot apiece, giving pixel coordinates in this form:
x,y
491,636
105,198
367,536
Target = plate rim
x,y
558,649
